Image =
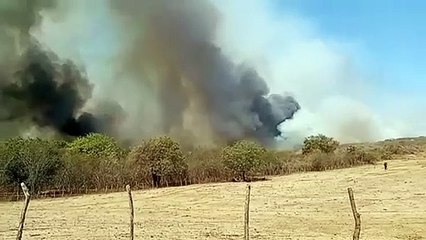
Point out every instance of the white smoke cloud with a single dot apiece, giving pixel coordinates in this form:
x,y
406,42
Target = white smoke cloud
x,y
320,72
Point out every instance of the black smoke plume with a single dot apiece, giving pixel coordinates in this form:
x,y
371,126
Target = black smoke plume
x,y
35,84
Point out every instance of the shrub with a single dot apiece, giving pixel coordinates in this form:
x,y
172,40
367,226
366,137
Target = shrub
x,y
321,161
91,161
399,148
319,143
33,161
204,165
272,163
163,157
78,171
292,162
243,157
357,156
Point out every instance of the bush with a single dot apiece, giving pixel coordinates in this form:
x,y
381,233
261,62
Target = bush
x,y
399,148
92,161
162,157
204,165
292,162
319,143
275,162
97,162
243,157
352,156
33,161
357,156
325,161
97,146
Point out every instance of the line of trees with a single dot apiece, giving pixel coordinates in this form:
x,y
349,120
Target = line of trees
x,y
97,162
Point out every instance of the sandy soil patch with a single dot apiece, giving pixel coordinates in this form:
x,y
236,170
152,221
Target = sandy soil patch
x,y
301,206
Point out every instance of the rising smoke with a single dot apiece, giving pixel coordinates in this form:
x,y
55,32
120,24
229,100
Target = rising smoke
x,y
168,47
172,45
37,86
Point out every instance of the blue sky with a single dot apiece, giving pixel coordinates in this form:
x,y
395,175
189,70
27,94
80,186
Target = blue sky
x,y
391,32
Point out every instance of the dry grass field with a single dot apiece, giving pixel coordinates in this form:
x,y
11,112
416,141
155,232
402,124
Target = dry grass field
x,y
300,206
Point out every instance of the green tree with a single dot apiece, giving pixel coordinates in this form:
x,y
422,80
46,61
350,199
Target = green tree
x,y
92,161
97,145
162,157
243,157
320,143
33,161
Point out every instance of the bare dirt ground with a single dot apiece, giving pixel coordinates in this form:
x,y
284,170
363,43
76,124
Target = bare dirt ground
x,y
300,206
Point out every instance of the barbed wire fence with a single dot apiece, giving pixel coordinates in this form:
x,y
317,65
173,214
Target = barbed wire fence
x,y
246,224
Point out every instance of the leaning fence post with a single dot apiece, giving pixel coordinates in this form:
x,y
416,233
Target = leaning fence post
x,y
357,216
129,191
24,211
247,214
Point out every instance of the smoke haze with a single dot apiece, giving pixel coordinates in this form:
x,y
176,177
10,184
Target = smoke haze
x,y
174,43
205,72
170,50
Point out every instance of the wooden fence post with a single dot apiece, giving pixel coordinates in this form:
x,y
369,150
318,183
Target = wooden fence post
x,y
247,214
24,211
129,191
357,216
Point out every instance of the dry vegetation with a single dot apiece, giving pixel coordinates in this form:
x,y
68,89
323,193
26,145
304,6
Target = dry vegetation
x,y
97,163
311,205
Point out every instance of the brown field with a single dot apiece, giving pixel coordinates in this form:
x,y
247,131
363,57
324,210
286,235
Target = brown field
x,y
300,206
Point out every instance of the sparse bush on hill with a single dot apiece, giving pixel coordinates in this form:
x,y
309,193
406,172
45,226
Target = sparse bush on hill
x,y
397,148
243,157
163,157
319,143
357,156
391,148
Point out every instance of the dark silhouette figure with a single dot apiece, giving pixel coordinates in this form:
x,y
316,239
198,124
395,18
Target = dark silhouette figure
x,y
156,180
386,166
